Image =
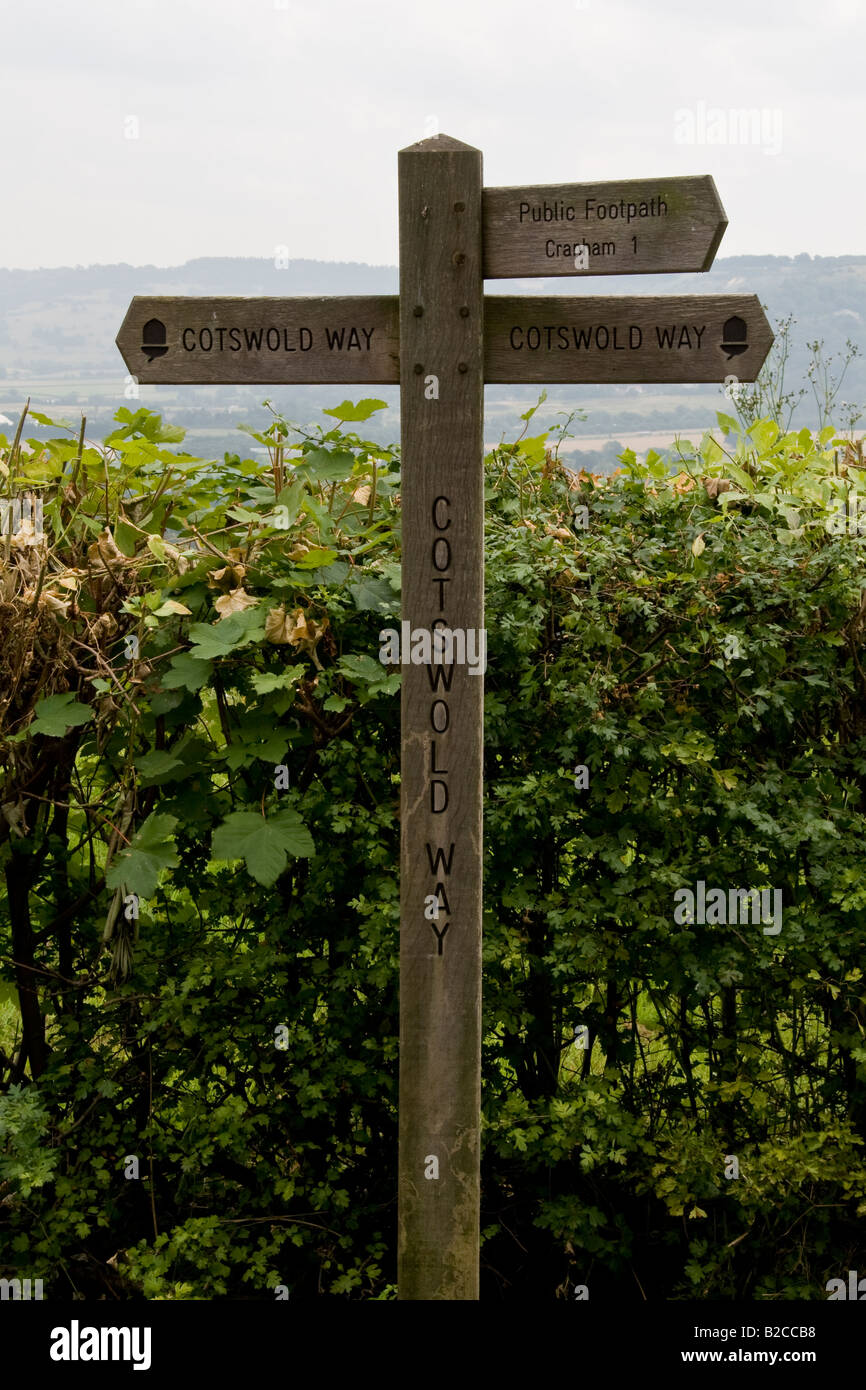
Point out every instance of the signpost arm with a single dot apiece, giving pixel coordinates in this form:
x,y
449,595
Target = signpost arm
x,y
442,502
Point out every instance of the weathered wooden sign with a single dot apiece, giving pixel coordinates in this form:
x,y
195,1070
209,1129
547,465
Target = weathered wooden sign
x,y
633,227
441,339
686,338
230,341
596,339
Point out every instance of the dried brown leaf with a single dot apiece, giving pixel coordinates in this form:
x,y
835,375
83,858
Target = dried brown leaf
x,y
235,602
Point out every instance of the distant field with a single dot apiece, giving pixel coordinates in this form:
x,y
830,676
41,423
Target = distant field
x,y
640,441
632,418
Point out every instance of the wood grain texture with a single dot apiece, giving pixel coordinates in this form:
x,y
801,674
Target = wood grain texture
x,y
676,224
620,339
441,335
290,341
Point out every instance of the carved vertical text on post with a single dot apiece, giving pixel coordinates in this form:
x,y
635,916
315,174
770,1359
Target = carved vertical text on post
x,y
442,495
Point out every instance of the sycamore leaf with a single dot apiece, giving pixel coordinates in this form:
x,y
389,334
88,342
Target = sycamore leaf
x,y
534,449
228,577
170,606
151,851
278,625
369,675
51,424
263,844
218,639
186,672
157,762
362,411
326,465
294,628
726,777
372,595
234,602
57,713
361,668
266,682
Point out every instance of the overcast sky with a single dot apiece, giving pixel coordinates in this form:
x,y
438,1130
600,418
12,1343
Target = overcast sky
x,y
257,124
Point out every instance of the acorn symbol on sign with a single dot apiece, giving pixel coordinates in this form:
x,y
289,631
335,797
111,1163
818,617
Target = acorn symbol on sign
x,y
734,336
153,342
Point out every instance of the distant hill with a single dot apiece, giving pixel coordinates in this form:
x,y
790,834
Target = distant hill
x,y
57,331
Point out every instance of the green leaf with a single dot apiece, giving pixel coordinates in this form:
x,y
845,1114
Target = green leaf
x,y
326,465
263,844
46,420
127,538
726,777
315,557
151,851
741,476
156,546
147,423
213,640
362,411
187,672
362,668
290,499
764,434
528,414
372,678
711,450
373,595
264,682
57,713
157,762
535,449
170,607
335,573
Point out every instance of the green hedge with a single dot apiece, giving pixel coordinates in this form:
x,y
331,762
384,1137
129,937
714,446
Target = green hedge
x,y
699,651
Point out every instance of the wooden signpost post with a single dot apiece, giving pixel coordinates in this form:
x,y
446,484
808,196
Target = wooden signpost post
x,y
442,339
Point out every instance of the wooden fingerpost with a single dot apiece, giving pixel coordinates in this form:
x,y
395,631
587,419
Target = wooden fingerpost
x,y
442,498
560,229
